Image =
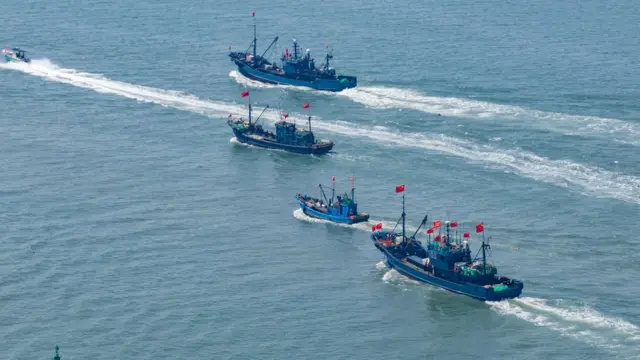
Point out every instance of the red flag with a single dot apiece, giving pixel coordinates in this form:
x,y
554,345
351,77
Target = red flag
x,y
229,115
245,94
453,224
437,238
326,46
436,224
400,188
305,106
379,226
253,13
430,231
333,178
479,227
466,235
350,179
285,115
373,228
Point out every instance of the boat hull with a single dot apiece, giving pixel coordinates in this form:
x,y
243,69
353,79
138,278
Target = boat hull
x,y
12,58
269,78
333,218
472,290
315,150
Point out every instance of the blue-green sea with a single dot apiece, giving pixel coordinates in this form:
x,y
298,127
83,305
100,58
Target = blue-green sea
x,y
134,227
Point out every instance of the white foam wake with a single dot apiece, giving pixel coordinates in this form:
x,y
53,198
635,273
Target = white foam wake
x,y
395,98
563,173
363,226
381,97
578,322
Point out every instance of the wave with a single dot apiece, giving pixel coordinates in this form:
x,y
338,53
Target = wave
x,y
588,180
577,322
381,97
363,226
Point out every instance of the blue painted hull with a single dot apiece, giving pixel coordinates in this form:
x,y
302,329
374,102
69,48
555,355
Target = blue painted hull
x,y
472,290
318,150
270,78
10,58
333,218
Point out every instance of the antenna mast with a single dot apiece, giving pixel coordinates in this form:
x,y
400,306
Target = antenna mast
x,y
255,39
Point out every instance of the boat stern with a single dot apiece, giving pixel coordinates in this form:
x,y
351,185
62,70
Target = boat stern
x,y
511,290
347,81
322,147
355,219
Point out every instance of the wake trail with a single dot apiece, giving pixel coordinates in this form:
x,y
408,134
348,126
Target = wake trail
x,y
578,322
381,97
363,226
589,180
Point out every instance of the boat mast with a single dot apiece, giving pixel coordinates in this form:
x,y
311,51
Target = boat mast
x,y
322,192
263,110
333,189
448,228
403,217
269,47
309,123
255,39
353,190
484,255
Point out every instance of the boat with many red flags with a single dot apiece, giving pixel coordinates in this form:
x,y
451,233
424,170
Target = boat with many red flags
x,y
444,260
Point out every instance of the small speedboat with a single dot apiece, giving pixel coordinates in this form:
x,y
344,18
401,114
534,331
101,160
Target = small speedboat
x,y
15,55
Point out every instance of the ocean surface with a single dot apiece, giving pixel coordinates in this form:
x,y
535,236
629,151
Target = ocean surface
x,y
134,227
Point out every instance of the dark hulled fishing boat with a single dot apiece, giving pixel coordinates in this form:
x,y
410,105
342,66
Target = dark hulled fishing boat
x,y
287,137
296,69
340,209
445,262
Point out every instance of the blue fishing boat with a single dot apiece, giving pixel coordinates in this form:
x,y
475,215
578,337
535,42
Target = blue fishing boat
x,y
287,137
445,262
340,209
15,55
296,69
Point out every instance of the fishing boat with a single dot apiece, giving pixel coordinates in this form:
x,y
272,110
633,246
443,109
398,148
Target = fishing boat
x,y
446,261
296,69
287,136
15,55
339,209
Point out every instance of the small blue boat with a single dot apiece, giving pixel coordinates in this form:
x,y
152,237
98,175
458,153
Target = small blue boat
x,y
339,209
296,69
287,137
445,262
15,55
